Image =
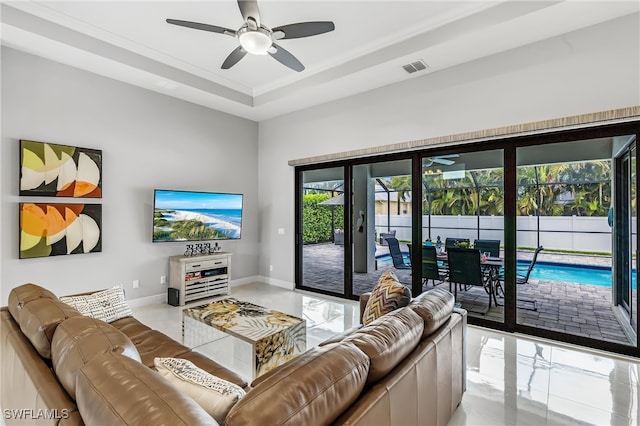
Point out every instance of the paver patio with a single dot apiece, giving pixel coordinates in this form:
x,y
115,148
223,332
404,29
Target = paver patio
x,y
579,309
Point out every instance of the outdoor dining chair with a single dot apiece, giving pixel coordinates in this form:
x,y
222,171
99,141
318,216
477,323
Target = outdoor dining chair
x,y
465,269
488,246
522,279
430,268
384,236
396,254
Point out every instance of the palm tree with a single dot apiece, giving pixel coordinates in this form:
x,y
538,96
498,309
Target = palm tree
x,y
402,185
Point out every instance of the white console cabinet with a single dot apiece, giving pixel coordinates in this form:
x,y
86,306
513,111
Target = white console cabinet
x,y
198,277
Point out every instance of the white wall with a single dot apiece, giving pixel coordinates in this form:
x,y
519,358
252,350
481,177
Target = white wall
x,y
148,141
586,71
586,233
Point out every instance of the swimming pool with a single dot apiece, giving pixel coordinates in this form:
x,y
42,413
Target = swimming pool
x,y
582,274
555,271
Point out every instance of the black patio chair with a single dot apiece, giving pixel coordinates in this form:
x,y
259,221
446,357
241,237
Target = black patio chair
x,y
465,269
522,279
396,254
384,236
488,246
430,268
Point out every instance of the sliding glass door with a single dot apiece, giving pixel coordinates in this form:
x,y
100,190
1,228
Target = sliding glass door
x,y
382,227
463,206
322,236
573,260
624,221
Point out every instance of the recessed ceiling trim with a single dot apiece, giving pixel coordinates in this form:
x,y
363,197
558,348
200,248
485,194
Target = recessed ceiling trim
x,y
26,22
46,12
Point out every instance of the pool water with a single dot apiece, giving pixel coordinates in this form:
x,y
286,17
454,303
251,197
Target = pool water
x,y
582,274
554,271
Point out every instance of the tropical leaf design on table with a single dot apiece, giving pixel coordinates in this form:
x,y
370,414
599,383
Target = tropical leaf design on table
x,y
298,335
277,337
60,170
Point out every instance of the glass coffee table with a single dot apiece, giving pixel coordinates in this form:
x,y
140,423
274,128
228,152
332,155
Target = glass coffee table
x,y
275,337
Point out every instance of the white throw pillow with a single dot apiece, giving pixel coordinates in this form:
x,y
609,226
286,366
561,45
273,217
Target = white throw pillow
x,y
108,305
215,395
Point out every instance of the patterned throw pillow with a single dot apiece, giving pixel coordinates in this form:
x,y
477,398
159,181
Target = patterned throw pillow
x,y
215,395
108,305
388,295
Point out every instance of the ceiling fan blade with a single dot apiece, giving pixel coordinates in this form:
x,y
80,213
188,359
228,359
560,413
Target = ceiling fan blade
x,y
305,29
203,27
233,58
287,59
443,161
250,12
448,156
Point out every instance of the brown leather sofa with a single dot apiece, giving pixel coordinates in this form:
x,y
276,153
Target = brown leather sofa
x,y
407,367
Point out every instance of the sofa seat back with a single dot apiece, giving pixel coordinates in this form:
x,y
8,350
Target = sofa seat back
x,y
114,390
312,389
423,389
28,382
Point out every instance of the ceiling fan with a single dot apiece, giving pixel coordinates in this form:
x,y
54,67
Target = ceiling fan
x,y
258,39
442,159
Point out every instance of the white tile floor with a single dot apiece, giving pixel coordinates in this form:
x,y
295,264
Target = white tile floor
x,y
511,379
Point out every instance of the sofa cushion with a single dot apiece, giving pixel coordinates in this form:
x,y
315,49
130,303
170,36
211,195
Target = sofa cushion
x,y
340,336
39,319
130,326
434,307
212,393
23,294
78,340
312,389
152,344
388,340
113,389
387,295
212,367
108,305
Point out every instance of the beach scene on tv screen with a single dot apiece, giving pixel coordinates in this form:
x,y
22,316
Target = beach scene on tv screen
x,y
196,216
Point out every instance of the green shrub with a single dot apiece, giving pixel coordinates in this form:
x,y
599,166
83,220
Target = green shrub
x,y
316,219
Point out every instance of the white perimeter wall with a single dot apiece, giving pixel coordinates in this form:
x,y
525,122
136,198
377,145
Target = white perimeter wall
x,y
148,141
586,71
586,233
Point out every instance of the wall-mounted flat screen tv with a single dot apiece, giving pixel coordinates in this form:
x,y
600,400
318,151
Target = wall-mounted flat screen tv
x,y
196,216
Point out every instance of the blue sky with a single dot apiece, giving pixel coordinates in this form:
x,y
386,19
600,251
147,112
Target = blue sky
x,y
167,199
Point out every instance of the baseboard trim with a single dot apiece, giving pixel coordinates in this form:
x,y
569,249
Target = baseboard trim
x,y
277,283
148,300
246,280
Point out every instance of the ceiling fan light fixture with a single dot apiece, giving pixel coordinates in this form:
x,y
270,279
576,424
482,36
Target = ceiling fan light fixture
x,y
256,41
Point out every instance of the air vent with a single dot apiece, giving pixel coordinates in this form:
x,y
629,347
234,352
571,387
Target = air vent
x,y
418,65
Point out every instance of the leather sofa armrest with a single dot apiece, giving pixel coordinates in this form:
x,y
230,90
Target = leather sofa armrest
x,y
364,298
460,311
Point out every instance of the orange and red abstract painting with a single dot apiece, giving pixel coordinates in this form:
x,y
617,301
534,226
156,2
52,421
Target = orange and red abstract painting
x,y
53,229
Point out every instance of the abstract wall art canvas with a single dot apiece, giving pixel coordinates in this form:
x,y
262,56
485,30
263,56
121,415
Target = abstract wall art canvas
x,y
52,229
53,170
